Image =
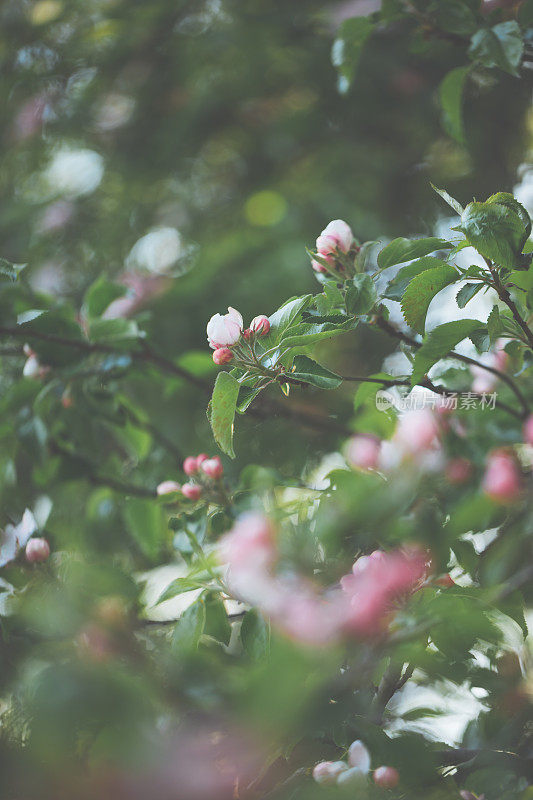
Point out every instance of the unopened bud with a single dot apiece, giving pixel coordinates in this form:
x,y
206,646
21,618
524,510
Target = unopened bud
x,y
386,777
213,468
260,325
192,491
222,356
168,487
37,550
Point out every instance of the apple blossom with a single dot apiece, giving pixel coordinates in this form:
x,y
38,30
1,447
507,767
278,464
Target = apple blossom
x,y
222,355
358,756
373,588
528,430
37,550
327,772
363,451
192,491
200,459
212,467
417,431
168,487
224,330
337,235
502,480
190,465
260,325
250,544
386,777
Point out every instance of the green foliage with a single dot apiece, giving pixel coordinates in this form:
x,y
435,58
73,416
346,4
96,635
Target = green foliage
x,y
221,411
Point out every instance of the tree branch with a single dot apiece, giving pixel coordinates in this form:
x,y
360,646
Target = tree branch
x,y
386,326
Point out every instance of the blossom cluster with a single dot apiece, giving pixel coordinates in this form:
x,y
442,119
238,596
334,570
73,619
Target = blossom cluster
x,y
228,337
204,474
418,440
360,604
354,772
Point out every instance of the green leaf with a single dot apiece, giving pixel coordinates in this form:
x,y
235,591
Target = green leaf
x,y
307,334
59,323
10,271
361,295
452,202
439,342
255,636
494,324
508,200
221,411
466,293
189,628
495,230
400,250
217,624
179,586
284,317
114,331
455,16
100,294
405,275
451,91
421,291
145,521
525,14
501,46
308,371
347,47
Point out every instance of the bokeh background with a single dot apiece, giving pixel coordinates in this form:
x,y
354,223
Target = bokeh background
x,y
192,150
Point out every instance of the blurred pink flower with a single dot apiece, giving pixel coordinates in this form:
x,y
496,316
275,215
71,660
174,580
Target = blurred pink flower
x,y
497,358
363,451
502,481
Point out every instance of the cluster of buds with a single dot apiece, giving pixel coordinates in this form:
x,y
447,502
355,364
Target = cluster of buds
x,y
354,772
335,248
203,473
229,339
33,368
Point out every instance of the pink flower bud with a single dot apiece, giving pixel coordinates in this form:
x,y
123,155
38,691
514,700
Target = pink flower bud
x,y
247,334
222,355
335,236
502,481
192,491
386,777
528,430
168,487
190,465
317,266
212,467
358,756
327,772
37,550
260,325
363,452
200,459
224,330
458,471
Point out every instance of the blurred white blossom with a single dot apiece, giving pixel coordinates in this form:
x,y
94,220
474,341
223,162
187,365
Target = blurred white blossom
x,y
74,172
157,251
